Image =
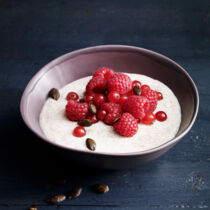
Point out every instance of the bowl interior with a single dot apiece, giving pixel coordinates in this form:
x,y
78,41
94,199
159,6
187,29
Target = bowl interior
x,y
84,62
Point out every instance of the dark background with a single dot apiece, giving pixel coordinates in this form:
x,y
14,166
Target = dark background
x,y
34,32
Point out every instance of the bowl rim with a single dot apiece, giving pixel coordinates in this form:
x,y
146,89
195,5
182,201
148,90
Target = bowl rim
x,y
34,80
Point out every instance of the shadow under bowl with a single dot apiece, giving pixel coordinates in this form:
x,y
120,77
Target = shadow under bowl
x,y
84,62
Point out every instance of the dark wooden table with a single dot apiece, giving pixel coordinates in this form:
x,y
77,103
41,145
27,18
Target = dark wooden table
x,y
34,32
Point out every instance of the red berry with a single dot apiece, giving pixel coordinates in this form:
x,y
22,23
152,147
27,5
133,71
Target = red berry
x,y
137,106
148,119
122,100
99,99
126,125
76,111
72,96
136,83
161,116
159,96
113,96
144,87
120,82
79,131
89,98
104,72
101,114
152,97
96,85
113,111
93,118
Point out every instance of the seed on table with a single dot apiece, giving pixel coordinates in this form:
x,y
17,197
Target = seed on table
x,y
33,207
91,144
92,107
101,188
85,122
137,90
54,93
56,199
74,193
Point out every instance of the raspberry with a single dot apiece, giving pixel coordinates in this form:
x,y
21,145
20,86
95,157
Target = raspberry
x,y
96,85
76,111
126,126
151,95
136,105
104,72
112,112
119,82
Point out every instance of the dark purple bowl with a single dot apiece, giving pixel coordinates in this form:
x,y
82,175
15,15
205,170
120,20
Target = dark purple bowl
x,y
84,62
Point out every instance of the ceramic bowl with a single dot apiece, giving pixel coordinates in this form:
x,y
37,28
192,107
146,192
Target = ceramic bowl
x,y
81,63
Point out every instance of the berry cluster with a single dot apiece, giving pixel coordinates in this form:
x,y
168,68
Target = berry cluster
x,y
116,100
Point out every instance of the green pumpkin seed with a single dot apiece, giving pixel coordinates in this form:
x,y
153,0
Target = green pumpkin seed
x,y
137,90
101,188
92,107
85,122
74,193
56,199
33,207
54,93
117,119
91,144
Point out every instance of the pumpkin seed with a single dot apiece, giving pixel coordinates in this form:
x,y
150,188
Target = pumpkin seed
x,y
56,199
54,93
117,119
74,193
137,90
92,107
33,207
91,144
101,188
85,122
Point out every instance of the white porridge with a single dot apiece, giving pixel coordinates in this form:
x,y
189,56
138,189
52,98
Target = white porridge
x,y
58,128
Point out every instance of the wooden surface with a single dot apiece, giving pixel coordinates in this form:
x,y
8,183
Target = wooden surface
x,y
35,32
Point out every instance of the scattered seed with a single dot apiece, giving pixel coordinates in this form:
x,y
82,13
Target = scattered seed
x,y
33,207
137,90
117,119
56,199
54,93
92,107
81,100
74,193
101,188
91,144
85,122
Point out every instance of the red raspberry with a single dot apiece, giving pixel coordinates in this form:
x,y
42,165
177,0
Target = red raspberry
x,y
112,112
104,72
76,111
151,95
127,125
136,105
96,85
119,82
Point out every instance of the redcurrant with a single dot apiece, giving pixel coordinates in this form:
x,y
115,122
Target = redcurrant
x,y
161,116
